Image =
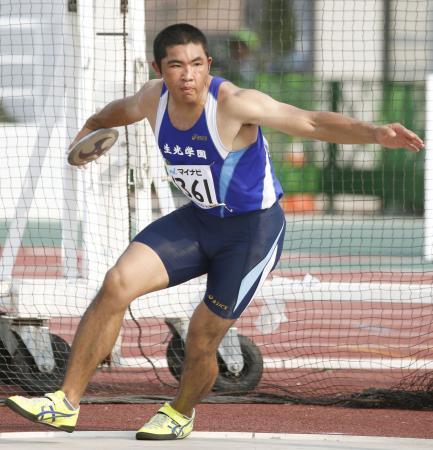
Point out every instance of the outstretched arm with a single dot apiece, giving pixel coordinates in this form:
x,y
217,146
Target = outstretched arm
x,y
254,107
119,112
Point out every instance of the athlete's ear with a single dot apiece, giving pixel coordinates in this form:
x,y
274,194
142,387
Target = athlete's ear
x,y
156,69
209,63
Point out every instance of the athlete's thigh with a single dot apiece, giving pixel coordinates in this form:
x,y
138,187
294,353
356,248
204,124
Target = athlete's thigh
x,y
238,271
175,239
140,270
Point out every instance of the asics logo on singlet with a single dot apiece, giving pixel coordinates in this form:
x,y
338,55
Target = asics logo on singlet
x,y
196,137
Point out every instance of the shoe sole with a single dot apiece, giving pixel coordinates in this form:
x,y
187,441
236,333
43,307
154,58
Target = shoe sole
x,y
158,437
33,418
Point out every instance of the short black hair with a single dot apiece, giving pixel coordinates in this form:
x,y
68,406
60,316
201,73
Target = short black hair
x,y
177,34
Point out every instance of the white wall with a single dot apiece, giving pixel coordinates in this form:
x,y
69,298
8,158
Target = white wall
x,y
28,33
410,52
26,55
348,39
17,144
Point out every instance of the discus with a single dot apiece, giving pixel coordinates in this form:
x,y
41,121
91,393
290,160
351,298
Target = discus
x,y
92,146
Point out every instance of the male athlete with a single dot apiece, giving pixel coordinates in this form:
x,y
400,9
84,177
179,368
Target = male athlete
x,y
208,132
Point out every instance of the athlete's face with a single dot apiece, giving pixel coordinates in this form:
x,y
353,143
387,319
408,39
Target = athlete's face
x,y
185,71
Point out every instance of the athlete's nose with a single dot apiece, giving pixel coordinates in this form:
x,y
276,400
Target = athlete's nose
x,y
187,73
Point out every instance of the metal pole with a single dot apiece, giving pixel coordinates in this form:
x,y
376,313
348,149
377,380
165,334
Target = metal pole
x,y
428,179
386,66
333,148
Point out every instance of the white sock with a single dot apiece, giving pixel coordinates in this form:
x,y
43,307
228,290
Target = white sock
x,y
69,404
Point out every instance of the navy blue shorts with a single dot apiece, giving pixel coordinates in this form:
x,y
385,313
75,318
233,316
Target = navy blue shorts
x,y
236,252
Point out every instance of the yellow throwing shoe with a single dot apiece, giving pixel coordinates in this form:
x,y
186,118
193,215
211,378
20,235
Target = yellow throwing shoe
x,y
53,410
166,424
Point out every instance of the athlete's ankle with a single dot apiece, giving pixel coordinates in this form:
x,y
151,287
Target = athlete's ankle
x,y
187,413
71,400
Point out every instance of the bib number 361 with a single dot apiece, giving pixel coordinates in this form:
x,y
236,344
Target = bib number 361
x,y
195,182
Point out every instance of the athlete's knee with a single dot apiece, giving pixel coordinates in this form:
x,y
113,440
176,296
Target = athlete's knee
x,y
115,287
198,355
201,345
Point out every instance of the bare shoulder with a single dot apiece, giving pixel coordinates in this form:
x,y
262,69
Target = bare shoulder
x,y
239,103
147,98
231,98
150,90
228,92
231,94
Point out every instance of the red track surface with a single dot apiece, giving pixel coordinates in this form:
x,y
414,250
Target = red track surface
x,y
253,418
325,330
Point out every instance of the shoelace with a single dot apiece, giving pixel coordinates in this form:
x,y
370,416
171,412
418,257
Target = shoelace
x,y
36,401
158,420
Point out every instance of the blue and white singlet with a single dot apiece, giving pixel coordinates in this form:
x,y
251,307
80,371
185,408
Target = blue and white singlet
x,y
222,182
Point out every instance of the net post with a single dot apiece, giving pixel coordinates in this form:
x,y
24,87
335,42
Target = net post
x,y
70,211
428,182
96,213
428,164
140,157
148,162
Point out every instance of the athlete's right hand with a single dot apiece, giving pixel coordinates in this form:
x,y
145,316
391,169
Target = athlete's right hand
x,y
83,132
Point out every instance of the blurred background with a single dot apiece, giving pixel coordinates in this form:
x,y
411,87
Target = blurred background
x,y
364,58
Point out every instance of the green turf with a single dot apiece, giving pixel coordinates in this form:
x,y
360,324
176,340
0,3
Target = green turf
x,y
39,233
334,242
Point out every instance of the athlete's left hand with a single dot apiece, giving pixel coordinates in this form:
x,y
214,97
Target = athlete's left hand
x,y
395,135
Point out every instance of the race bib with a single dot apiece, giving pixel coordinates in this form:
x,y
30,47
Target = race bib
x,y
195,182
